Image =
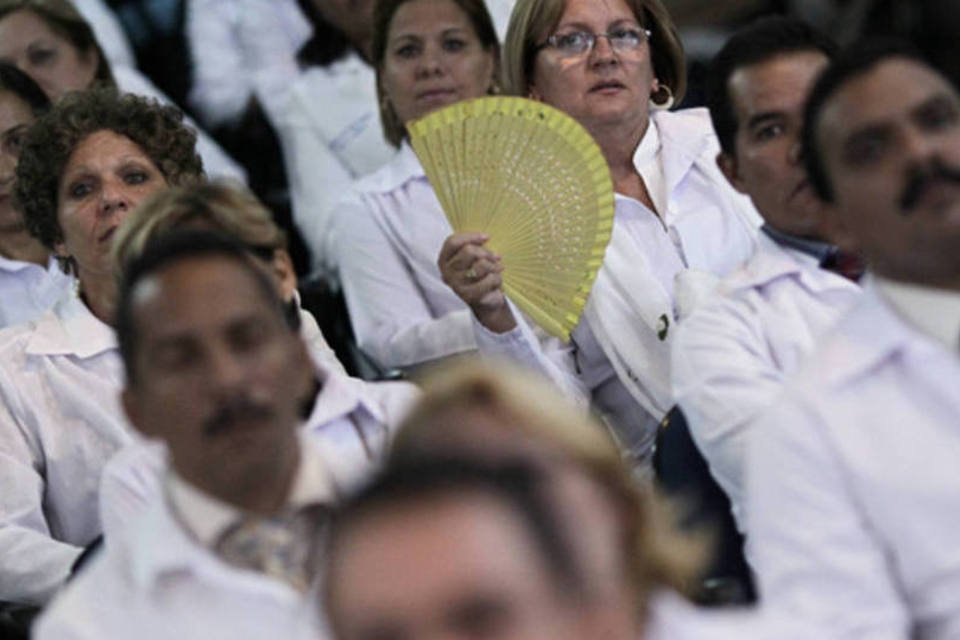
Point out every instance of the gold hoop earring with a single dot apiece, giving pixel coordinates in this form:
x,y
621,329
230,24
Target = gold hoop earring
x,y
666,102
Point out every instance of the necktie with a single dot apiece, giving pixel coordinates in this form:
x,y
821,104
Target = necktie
x,y
281,546
849,265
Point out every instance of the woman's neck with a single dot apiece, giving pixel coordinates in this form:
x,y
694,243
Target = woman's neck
x,y
99,293
618,150
17,244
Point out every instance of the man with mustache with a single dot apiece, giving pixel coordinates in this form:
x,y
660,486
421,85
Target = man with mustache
x,y
732,355
854,475
226,547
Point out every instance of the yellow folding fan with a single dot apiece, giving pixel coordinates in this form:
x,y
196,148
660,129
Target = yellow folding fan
x,y
533,179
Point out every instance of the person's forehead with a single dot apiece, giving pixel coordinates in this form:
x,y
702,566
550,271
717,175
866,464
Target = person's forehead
x,y
179,294
780,81
884,94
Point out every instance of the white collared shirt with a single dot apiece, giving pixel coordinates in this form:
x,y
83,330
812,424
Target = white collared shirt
x,y
60,421
703,226
352,421
155,581
853,501
732,355
28,289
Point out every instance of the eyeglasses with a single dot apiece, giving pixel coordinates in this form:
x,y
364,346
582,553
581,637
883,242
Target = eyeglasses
x,y
578,43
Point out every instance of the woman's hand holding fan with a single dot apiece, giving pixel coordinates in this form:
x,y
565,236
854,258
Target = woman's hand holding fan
x,y
473,272
533,189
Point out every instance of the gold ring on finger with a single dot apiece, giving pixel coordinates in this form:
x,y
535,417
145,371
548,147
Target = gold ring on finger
x,y
472,273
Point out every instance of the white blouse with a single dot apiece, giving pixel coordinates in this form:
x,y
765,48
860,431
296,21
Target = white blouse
x,y
27,289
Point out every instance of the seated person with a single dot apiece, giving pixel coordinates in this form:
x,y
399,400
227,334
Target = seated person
x,y
84,166
214,370
30,279
356,419
853,489
733,353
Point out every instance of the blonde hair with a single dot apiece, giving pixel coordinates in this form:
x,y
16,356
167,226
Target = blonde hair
x,y
656,554
229,209
533,21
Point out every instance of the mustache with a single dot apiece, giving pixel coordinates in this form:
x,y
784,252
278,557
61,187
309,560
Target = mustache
x,y
233,410
923,177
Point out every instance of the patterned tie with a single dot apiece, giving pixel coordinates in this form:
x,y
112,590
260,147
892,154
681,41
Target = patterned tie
x,y
281,546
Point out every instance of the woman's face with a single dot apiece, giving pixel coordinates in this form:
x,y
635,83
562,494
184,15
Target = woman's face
x,y
601,86
106,178
54,63
433,59
15,118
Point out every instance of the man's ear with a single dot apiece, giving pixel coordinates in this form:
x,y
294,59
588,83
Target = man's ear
x,y
283,271
731,171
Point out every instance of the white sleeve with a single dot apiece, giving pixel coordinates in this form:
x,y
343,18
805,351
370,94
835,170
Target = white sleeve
x,y
723,376
814,553
32,564
128,484
317,179
391,320
221,85
534,350
216,162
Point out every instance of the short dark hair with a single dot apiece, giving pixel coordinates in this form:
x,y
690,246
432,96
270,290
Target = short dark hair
x,y
170,249
761,40
852,63
517,485
23,86
157,129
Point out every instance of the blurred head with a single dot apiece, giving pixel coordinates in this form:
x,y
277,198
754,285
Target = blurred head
x,y
219,207
489,565
606,84
503,414
89,162
52,42
351,18
882,147
758,85
212,367
430,54
21,102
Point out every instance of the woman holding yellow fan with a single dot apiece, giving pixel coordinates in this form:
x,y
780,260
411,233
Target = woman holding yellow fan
x,y
615,66
388,229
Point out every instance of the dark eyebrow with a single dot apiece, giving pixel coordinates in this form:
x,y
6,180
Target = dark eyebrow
x,y
867,132
936,101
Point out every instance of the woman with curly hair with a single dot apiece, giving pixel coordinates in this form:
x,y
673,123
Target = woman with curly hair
x,y
30,281
84,166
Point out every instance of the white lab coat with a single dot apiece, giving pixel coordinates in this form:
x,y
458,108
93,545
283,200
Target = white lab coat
x,y
216,162
732,355
154,581
853,483
632,306
60,421
241,49
28,289
352,420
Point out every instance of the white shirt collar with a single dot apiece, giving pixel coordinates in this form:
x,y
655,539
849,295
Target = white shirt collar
x,y
70,328
934,312
206,517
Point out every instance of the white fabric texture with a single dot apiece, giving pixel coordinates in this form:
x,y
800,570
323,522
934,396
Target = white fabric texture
x,y
216,162
28,289
352,421
60,421
853,490
732,355
155,581
243,49
108,31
